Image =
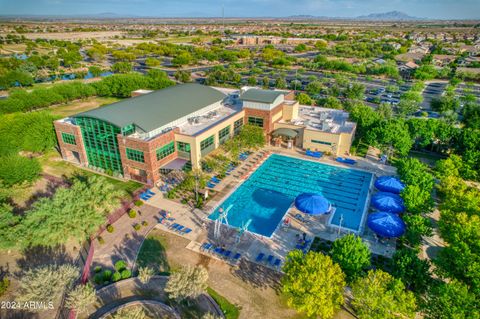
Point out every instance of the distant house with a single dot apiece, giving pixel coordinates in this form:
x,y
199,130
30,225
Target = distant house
x,y
442,60
410,57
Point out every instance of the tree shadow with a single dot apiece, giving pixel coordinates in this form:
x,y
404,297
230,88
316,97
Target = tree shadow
x,y
257,275
18,314
153,254
37,256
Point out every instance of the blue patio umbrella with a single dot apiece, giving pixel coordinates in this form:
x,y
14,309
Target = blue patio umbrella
x,y
386,224
388,202
389,184
313,204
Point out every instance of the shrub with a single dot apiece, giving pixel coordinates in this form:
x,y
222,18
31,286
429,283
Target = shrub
x,y
120,265
126,274
138,203
132,213
15,169
107,275
98,269
137,227
4,283
98,279
110,228
116,276
100,239
144,223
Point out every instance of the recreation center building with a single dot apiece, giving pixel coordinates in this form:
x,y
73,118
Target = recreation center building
x,y
154,132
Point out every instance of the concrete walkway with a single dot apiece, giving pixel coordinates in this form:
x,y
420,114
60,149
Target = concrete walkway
x,y
128,290
124,242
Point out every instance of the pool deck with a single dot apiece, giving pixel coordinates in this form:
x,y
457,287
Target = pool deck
x,y
284,239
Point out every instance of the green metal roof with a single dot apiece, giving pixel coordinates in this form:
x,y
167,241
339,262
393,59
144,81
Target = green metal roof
x,y
262,96
156,109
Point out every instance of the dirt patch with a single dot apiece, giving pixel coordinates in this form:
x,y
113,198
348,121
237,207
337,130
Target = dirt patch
x,y
254,288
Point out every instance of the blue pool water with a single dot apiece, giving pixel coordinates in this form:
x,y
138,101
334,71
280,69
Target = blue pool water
x,y
264,198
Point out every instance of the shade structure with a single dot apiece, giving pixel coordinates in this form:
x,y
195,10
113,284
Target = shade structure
x,y
313,204
386,224
388,202
283,131
389,184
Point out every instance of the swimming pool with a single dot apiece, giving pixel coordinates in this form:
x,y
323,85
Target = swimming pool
x,y
264,198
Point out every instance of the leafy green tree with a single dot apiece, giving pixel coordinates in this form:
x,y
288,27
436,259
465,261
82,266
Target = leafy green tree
x,y
183,58
355,91
188,282
365,117
417,227
95,70
183,76
381,296
252,80
393,133
152,62
314,87
251,136
280,83
330,102
74,212
417,200
46,283
16,169
266,82
300,48
313,284
385,111
451,300
425,72
352,255
304,99
413,271
122,67
81,298
8,222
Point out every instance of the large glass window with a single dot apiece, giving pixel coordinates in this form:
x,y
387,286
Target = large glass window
x,y
129,129
135,155
165,150
101,145
68,138
209,141
257,121
237,126
184,147
224,134
321,142
207,145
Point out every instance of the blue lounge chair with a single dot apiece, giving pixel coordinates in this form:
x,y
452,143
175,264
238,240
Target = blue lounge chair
x,y
227,253
270,259
149,192
211,185
237,256
179,228
215,179
187,231
260,257
174,225
277,262
205,246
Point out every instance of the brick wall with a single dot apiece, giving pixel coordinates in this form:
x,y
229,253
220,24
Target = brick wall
x,y
151,165
266,115
67,149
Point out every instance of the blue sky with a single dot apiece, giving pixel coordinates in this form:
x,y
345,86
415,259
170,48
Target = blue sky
x,y
445,9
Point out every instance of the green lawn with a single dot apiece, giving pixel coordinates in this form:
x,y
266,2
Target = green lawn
x,y
82,106
53,164
230,310
153,254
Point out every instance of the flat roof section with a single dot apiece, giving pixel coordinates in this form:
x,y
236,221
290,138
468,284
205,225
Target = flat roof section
x,y
156,109
262,96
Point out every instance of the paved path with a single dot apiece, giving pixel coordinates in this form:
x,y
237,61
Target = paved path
x,y
116,294
125,242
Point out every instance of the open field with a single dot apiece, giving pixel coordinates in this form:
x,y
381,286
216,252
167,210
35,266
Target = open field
x,y
82,106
